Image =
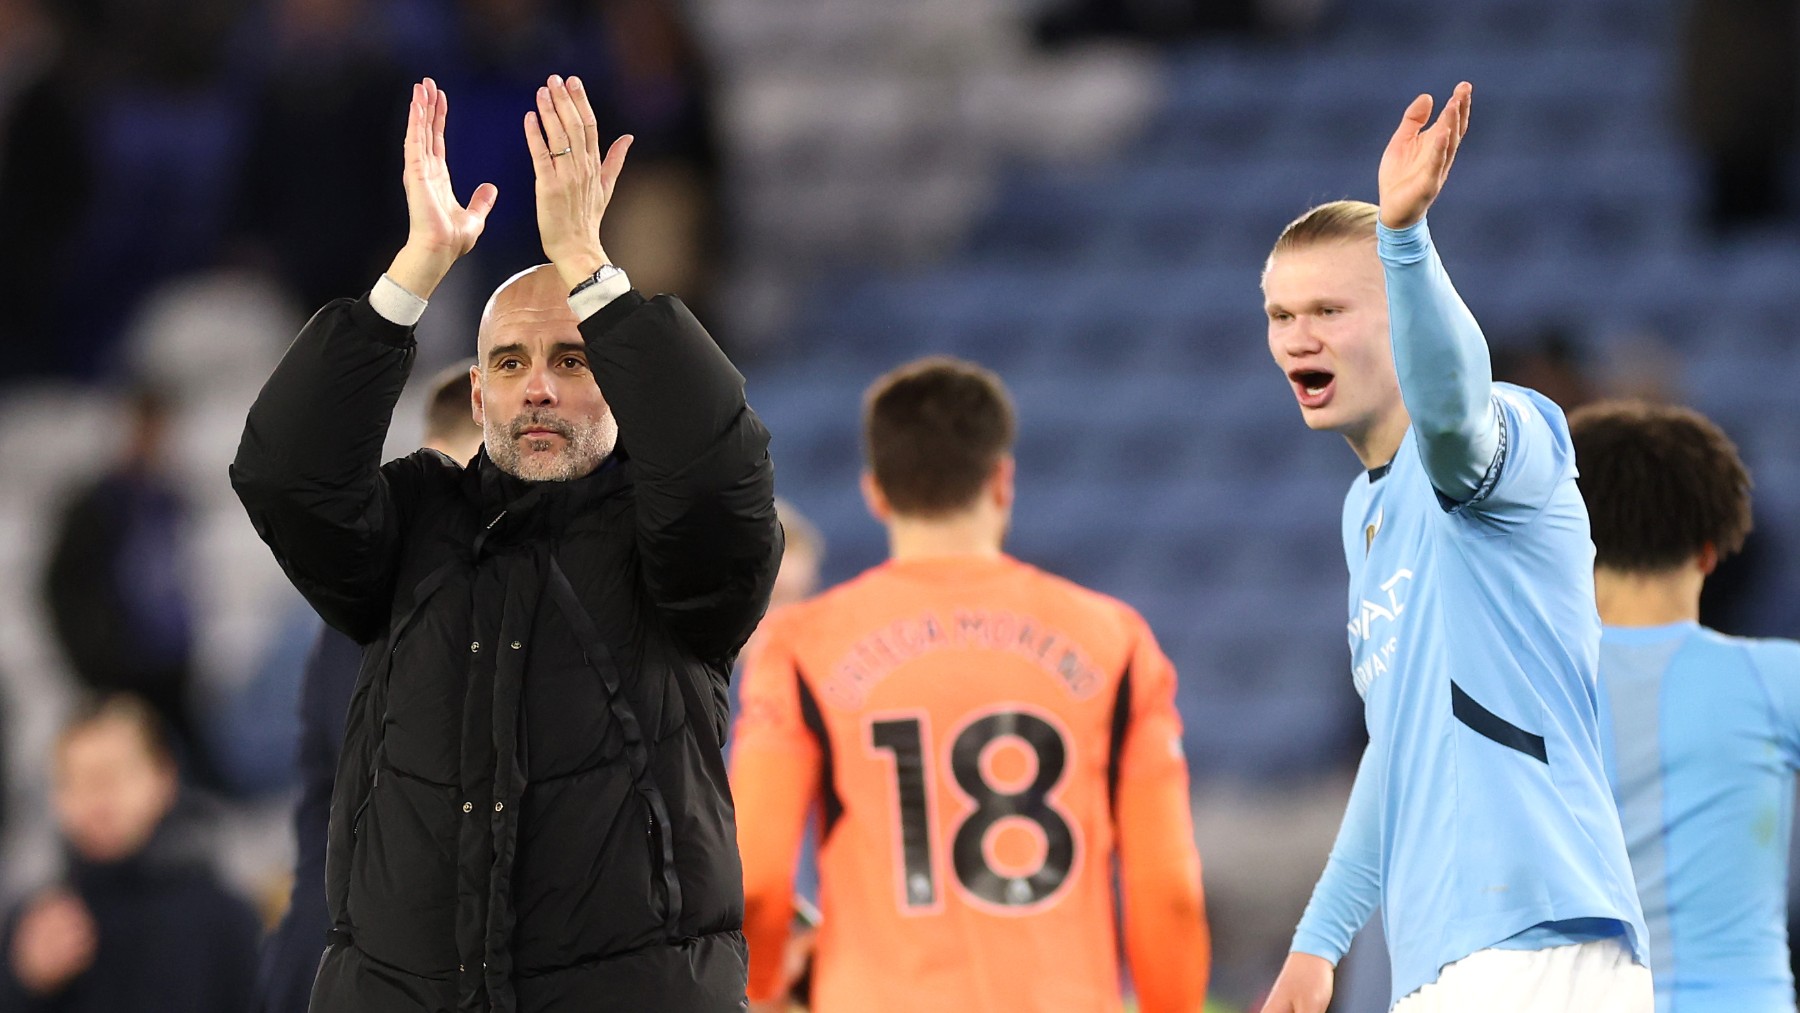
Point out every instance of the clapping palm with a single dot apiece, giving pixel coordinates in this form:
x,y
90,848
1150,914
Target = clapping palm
x,y
1418,160
438,222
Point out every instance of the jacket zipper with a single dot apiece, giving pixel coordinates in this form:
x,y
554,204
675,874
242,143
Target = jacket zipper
x,y
375,775
654,841
357,817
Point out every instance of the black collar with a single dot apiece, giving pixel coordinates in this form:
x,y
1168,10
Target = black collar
x,y
521,506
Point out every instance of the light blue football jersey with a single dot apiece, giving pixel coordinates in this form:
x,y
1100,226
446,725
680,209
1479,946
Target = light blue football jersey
x,y
1705,737
1482,813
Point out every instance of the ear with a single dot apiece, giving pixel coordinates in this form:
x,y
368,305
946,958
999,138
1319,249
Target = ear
x,y
1708,559
475,396
875,499
1000,483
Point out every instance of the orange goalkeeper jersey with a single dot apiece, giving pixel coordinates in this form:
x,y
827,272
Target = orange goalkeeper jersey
x,y
980,740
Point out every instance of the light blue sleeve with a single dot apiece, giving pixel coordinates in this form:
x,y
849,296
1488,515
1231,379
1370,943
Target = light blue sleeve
x,y
1777,664
1496,450
1441,358
1350,888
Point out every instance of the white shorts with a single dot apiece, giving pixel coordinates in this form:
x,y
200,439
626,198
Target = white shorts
x,y
1592,977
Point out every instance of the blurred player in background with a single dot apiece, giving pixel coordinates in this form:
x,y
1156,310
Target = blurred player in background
x,y
801,559
982,740
1704,728
1480,819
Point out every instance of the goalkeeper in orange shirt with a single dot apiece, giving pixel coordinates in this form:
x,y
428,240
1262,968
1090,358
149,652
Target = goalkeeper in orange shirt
x,y
981,740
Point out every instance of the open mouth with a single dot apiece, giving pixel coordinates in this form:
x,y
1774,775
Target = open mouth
x,y
1313,387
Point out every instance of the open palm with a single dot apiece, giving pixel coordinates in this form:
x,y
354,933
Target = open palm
x,y
1418,160
438,221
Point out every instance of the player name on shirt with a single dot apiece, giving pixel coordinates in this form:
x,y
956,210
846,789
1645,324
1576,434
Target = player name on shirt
x,y
878,654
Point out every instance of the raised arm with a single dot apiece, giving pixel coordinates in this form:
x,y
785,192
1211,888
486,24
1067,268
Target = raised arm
x,y
705,487
1440,354
308,469
1346,895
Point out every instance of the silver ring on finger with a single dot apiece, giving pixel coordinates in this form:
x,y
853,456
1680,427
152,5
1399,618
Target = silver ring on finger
x,y
564,151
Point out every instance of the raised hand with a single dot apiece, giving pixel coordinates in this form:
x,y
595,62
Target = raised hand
x,y
55,941
574,183
1417,160
441,230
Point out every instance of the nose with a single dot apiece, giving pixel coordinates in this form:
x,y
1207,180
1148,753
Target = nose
x,y
540,388
1298,338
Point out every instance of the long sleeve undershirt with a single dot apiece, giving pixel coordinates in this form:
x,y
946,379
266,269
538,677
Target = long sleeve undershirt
x,y
1441,359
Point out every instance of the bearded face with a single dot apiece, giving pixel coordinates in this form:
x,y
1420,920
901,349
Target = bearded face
x,y
543,417
540,445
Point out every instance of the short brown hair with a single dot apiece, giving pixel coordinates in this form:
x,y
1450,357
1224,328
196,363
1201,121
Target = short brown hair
x,y
133,711
448,415
933,430
1334,222
1661,482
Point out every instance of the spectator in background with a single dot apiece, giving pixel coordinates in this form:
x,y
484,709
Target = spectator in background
x,y
291,955
140,924
1741,85
134,135
114,583
44,159
313,211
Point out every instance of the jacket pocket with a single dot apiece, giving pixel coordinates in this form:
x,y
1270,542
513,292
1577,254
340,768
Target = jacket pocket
x,y
402,879
584,885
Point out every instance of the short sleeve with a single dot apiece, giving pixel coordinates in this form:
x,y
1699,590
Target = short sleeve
x,y
1535,456
1777,663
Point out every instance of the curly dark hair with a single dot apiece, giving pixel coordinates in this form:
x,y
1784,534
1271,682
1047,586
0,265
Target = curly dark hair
x,y
933,430
1661,483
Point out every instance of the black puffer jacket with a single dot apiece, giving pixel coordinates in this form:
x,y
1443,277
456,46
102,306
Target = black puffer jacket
x,y
531,811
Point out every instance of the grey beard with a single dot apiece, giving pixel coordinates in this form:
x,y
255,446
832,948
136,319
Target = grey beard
x,y
585,445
